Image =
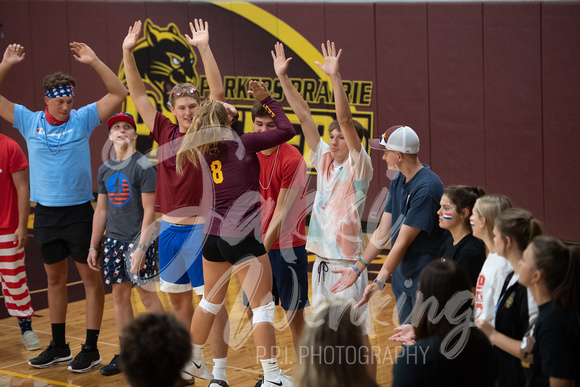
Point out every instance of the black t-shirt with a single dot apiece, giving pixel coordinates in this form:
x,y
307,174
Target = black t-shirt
x,y
423,364
511,319
468,253
556,347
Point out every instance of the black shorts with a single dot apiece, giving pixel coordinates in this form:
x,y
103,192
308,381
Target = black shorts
x,y
232,250
63,231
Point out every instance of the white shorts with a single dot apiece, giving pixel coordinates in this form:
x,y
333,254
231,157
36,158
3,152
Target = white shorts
x,y
169,287
323,279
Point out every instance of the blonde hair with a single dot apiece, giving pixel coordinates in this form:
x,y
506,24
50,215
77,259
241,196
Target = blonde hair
x,y
173,97
331,328
205,132
489,207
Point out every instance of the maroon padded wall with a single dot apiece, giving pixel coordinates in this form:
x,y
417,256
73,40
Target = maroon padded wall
x,y
402,88
560,97
513,104
456,92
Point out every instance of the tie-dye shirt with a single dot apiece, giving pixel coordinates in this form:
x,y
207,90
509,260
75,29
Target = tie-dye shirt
x,y
335,230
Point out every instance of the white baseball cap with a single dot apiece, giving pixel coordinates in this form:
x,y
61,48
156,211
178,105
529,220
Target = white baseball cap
x,y
398,138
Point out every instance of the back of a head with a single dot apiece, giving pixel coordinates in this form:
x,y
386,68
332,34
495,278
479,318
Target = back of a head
x,y
443,284
209,114
332,332
560,268
489,207
519,225
156,347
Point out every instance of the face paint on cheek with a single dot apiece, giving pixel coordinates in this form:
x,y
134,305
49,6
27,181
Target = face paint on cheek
x,y
447,216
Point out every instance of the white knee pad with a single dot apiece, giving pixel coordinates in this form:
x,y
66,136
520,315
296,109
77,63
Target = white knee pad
x,y
209,307
264,313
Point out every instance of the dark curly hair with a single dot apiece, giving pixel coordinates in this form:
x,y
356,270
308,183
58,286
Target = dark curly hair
x,y
155,348
57,79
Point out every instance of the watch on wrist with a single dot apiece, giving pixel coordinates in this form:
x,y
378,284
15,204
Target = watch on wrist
x,y
380,284
142,247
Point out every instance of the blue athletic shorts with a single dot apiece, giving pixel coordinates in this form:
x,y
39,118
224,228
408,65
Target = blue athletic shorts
x,y
289,277
180,257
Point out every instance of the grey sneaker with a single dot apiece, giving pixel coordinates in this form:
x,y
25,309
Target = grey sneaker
x,y
85,360
51,356
31,341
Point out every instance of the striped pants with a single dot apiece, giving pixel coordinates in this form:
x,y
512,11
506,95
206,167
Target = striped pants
x,y
13,278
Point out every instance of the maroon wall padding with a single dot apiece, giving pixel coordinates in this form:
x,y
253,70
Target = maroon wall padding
x,y
19,85
561,118
513,104
456,92
402,88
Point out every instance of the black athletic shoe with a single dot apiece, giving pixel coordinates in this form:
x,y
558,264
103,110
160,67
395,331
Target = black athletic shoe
x,y
112,368
51,356
85,360
260,381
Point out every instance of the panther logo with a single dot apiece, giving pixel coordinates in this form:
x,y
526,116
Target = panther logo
x,y
164,58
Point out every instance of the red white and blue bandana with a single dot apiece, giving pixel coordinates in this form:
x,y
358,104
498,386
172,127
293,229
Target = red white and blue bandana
x,y
60,91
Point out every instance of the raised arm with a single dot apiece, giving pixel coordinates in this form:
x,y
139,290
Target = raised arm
x,y
284,131
136,87
297,103
200,38
14,54
20,179
107,105
343,114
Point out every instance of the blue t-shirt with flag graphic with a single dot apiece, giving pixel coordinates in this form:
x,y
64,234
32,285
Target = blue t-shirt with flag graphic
x,y
59,156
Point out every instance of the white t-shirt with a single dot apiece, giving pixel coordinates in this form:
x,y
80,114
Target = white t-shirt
x,y
489,283
335,230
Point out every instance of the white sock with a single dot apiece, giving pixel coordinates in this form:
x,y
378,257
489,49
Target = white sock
x,y
197,353
271,369
219,369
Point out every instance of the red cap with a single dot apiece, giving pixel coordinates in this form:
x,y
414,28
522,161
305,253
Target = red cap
x,y
122,116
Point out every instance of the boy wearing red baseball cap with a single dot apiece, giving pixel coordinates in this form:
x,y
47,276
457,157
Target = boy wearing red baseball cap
x,y
125,208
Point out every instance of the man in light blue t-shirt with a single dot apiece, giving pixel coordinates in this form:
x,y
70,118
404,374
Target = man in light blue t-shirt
x,y
61,184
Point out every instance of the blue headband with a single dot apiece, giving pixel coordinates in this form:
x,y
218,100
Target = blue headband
x,y
60,91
